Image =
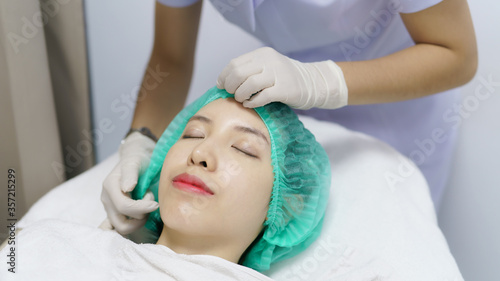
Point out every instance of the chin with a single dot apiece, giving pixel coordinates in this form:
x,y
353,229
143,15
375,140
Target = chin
x,y
180,215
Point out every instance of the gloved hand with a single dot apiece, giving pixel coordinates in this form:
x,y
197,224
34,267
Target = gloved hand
x,y
264,75
124,214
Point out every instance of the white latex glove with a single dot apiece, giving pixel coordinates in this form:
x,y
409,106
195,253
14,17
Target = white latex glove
x,y
270,76
125,214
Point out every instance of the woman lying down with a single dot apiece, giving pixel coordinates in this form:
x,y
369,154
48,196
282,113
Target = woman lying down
x,y
239,189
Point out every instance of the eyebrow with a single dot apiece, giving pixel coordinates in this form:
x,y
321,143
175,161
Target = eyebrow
x,y
243,129
200,118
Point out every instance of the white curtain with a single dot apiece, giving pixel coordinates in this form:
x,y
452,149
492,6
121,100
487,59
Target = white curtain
x,y
44,101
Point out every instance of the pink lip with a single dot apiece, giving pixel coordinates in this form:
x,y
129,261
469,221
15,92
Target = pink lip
x,y
191,183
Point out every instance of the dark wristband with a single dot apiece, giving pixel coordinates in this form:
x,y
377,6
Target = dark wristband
x,y
145,131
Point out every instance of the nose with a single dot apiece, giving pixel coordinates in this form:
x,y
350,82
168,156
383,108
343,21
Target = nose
x,y
203,155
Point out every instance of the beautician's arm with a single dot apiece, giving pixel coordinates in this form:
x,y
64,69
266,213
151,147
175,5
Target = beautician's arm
x,y
444,57
176,30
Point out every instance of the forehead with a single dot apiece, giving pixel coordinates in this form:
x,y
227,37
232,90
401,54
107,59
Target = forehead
x,y
229,110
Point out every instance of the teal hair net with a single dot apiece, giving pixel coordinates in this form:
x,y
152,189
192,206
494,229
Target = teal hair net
x,y
300,189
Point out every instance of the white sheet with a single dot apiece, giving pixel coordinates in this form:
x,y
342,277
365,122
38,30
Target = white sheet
x,y
58,250
380,221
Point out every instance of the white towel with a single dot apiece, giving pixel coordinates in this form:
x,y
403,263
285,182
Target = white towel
x,y
60,250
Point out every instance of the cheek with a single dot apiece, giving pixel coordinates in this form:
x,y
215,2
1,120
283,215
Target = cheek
x,y
163,184
266,180
256,182
176,157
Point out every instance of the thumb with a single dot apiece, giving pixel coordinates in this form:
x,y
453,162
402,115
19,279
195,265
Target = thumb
x,y
149,196
130,175
262,98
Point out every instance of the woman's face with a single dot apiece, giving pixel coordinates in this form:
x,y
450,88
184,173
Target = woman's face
x,y
217,179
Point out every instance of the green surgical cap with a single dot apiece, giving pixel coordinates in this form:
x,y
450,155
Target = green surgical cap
x,y
300,189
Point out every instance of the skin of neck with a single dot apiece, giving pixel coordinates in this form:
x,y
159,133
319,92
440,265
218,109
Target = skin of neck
x,y
226,248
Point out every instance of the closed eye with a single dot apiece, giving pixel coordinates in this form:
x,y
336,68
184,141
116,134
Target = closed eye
x,y
245,152
191,137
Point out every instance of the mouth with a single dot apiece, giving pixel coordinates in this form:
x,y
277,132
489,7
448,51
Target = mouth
x,y
191,183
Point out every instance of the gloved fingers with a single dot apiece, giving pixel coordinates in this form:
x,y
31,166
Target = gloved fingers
x,y
135,140
106,224
264,97
116,201
254,85
136,209
149,196
124,225
221,79
130,174
111,185
132,218
259,54
112,220
228,69
238,75
248,58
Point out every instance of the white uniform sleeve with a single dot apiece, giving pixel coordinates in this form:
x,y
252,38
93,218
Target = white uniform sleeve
x,y
412,6
177,3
